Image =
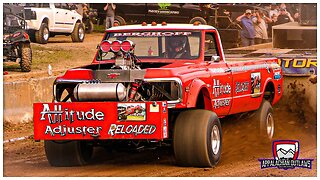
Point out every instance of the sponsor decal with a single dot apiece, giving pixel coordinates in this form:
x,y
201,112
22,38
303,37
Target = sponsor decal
x,y
285,153
242,87
58,115
277,75
167,11
279,89
113,75
164,110
153,108
89,120
219,88
66,130
132,111
221,103
163,9
164,6
125,129
165,128
164,104
255,82
298,65
152,34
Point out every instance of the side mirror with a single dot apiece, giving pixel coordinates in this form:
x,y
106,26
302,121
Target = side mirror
x,y
215,58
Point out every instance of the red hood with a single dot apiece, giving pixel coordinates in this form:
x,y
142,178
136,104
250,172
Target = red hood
x,y
176,69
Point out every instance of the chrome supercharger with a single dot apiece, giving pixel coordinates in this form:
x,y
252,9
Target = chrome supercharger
x,y
113,84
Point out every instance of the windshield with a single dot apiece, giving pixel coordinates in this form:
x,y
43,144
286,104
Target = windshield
x,y
159,44
36,5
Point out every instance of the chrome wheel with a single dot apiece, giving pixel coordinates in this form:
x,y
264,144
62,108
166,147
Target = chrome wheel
x,y
270,126
215,139
46,34
81,33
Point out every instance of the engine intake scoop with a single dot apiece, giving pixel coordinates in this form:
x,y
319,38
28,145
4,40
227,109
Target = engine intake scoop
x,y
118,75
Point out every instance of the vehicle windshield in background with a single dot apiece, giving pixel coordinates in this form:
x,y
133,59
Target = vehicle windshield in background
x,y
36,5
159,44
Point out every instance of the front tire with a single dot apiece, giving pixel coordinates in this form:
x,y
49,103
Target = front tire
x,y
43,34
26,57
68,153
78,33
197,138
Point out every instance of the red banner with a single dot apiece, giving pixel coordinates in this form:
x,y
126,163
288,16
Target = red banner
x,y
100,120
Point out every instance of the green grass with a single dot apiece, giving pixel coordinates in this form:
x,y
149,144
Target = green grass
x,y
11,66
42,56
99,28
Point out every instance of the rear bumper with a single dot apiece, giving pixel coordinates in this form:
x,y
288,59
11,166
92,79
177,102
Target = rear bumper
x,y
100,120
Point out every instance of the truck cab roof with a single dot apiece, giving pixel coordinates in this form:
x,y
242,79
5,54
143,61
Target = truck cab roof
x,y
162,27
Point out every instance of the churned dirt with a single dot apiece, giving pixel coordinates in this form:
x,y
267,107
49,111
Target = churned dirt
x,y
241,150
241,147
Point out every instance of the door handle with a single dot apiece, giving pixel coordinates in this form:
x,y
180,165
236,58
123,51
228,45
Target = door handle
x,y
227,70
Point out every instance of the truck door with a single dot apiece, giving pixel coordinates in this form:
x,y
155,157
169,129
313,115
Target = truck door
x,y
132,12
63,17
247,80
221,85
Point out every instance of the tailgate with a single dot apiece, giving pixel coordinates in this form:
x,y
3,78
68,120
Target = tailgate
x,y
100,120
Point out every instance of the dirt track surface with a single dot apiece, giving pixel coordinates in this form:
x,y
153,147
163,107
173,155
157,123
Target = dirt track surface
x,y
240,154
241,147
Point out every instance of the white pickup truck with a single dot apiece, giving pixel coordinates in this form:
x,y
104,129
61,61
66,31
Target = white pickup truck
x,y
46,20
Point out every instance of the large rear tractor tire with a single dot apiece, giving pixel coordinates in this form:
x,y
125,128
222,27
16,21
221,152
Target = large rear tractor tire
x,y
78,33
119,21
26,57
43,34
68,153
197,138
199,20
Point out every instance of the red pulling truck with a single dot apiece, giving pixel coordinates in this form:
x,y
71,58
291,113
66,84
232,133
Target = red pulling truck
x,y
174,95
